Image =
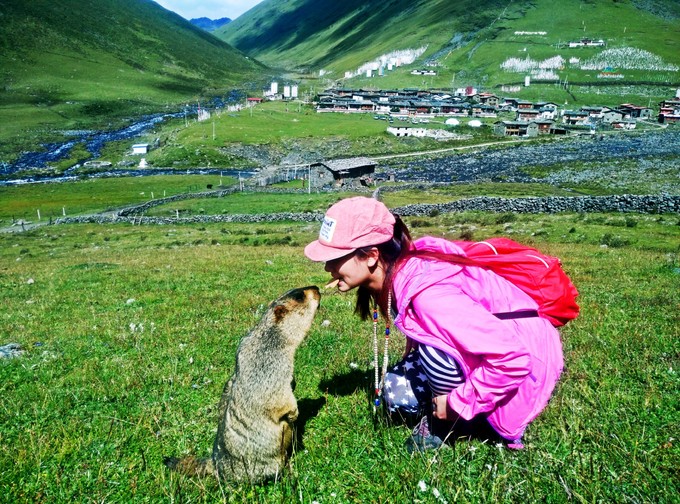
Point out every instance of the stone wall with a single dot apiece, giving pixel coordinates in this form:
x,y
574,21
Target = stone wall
x,y
144,207
140,209
550,204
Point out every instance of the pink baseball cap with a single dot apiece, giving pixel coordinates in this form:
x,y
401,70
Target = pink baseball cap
x,y
350,224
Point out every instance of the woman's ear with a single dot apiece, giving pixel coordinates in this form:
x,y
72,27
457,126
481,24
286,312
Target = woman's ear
x,y
372,257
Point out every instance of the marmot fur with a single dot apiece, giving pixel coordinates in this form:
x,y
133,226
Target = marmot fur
x,y
258,408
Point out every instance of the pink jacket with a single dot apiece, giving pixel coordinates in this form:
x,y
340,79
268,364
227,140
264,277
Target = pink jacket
x,y
511,366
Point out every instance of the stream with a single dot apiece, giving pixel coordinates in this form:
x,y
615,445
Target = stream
x,y
94,141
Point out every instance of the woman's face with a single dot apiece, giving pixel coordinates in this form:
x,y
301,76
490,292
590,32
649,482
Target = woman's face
x,y
352,270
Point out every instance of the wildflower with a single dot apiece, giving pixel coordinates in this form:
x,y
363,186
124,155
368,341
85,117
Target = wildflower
x,y
422,486
438,496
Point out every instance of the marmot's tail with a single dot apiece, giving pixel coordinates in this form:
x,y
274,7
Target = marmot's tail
x,y
191,466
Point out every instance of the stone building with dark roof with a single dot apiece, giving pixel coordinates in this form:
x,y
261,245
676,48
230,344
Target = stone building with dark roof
x,y
340,172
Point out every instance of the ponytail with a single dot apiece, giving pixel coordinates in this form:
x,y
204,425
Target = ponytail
x,y
393,254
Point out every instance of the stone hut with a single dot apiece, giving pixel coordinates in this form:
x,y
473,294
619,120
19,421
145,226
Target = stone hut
x,y
341,172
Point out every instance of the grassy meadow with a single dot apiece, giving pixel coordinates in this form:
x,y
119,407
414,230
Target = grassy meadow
x,y
278,129
23,202
130,333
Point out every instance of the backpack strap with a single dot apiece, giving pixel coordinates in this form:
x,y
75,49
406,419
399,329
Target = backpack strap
x,y
516,314
495,252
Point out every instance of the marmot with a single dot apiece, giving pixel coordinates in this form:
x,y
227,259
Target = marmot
x,y
258,408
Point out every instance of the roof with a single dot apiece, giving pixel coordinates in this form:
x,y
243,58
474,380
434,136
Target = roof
x,y
336,165
516,123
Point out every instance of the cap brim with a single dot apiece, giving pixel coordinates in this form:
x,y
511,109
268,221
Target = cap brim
x,y
318,252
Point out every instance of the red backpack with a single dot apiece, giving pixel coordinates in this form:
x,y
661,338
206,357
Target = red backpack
x,y
538,275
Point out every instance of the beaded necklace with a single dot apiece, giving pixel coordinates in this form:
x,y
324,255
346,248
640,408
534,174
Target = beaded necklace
x,y
380,377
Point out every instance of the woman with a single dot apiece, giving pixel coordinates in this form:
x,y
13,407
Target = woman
x,y
473,367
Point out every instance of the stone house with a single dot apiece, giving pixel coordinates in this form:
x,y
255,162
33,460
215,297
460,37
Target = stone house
x,y
482,110
340,172
486,98
527,114
516,128
635,111
455,108
611,116
669,111
575,117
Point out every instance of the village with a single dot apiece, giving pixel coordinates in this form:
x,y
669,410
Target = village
x,y
412,112
530,118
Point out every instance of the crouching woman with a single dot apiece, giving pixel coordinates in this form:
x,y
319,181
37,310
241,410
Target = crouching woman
x,y
477,355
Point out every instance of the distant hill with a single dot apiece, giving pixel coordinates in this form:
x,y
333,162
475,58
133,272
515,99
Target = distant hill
x,y
487,43
208,24
72,64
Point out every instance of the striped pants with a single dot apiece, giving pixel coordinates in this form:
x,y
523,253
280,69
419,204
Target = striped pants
x,y
413,381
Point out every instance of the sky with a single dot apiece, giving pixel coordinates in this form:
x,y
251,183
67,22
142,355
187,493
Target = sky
x,y
212,9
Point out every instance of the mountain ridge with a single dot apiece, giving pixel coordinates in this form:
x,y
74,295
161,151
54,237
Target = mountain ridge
x,y
208,24
335,38
69,64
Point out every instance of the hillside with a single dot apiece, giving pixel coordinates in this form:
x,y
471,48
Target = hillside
x,y
69,64
324,34
486,43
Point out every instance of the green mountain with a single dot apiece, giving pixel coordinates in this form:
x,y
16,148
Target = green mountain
x,y
208,24
468,42
83,63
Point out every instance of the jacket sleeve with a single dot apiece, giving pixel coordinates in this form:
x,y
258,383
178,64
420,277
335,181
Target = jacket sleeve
x,y
498,361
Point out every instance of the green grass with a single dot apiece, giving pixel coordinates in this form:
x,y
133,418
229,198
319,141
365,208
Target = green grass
x,y
71,65
22,202
249,202
277,130
469,40
130,333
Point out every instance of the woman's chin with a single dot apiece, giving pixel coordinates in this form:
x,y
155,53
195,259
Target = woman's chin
x,y
343,287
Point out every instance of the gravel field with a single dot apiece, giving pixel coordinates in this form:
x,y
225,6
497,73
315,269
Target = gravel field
x,y
647,162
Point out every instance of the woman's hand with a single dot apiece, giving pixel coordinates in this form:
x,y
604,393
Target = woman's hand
x,y
442,410
411,345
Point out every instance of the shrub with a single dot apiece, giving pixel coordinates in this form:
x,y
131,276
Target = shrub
x,y
505,218
415,223
613,241
466,235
